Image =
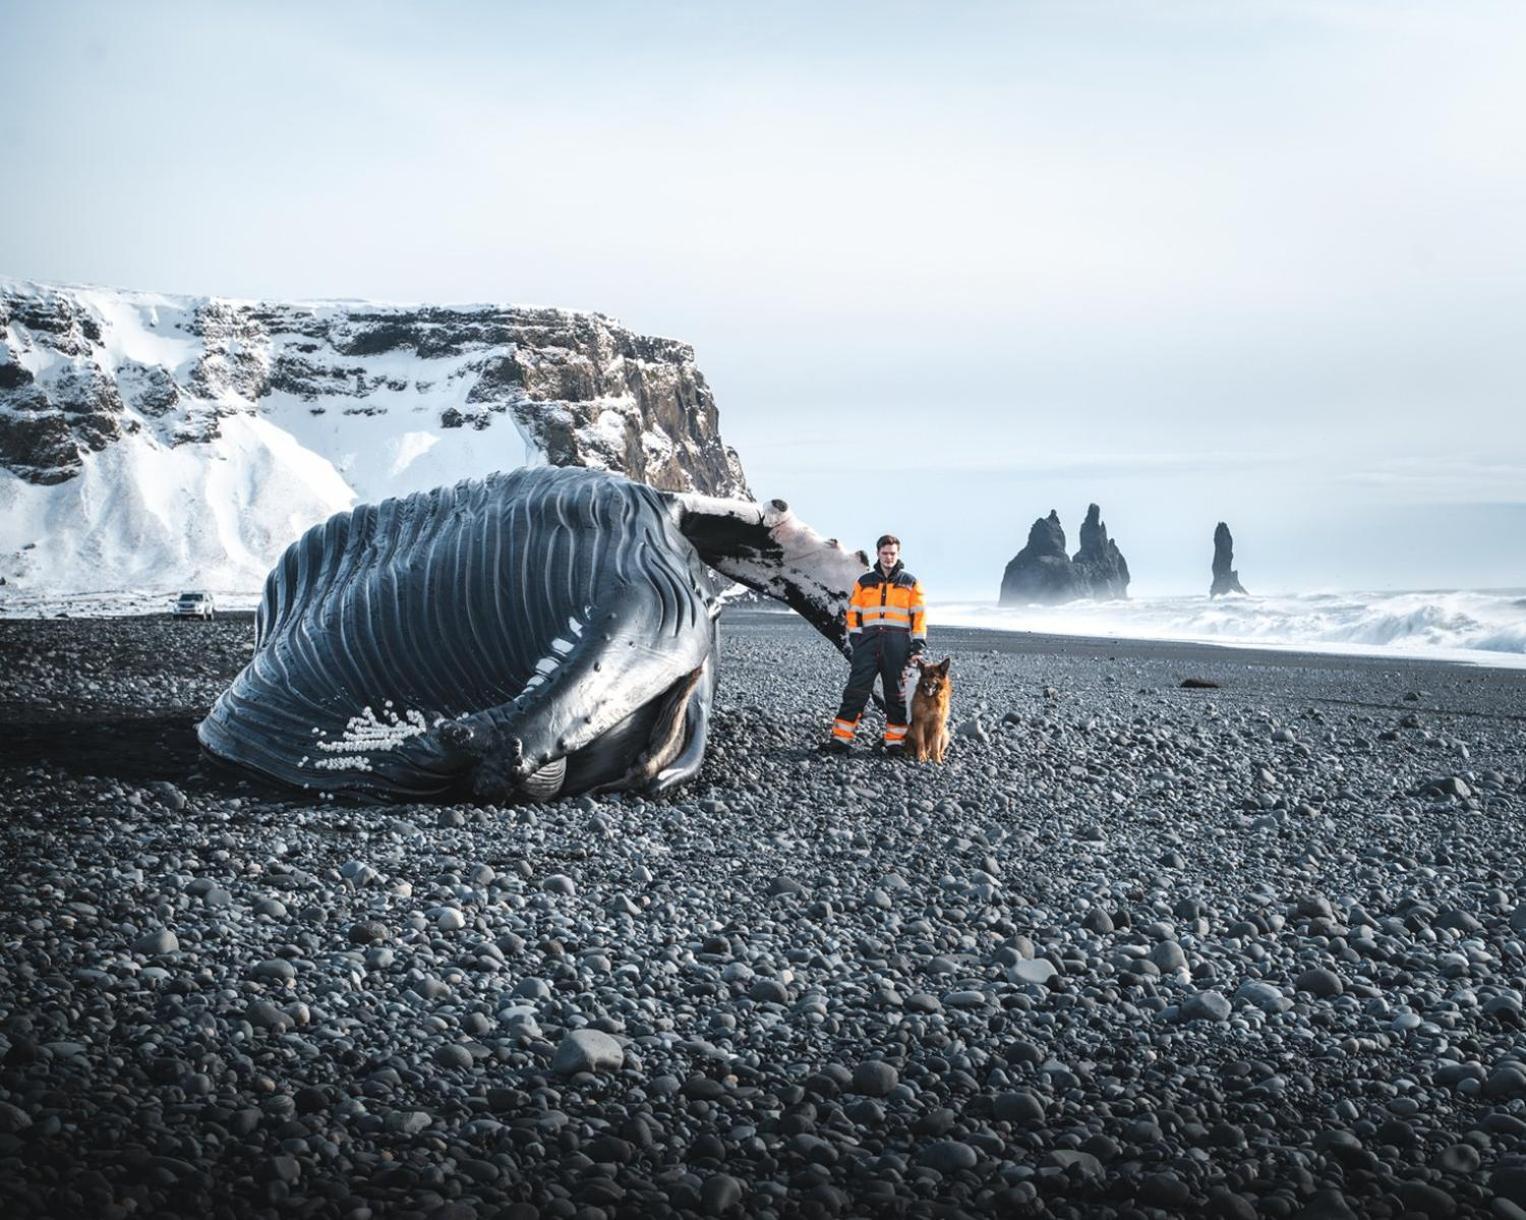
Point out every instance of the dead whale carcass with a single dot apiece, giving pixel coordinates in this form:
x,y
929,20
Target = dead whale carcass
x,y
533,633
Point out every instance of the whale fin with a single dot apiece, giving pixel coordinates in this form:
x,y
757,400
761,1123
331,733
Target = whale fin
x,y
767,548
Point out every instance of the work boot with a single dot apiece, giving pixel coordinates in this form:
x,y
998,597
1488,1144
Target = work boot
x,y
835,748
895,753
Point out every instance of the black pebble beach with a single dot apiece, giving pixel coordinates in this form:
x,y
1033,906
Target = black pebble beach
x,y
1138,950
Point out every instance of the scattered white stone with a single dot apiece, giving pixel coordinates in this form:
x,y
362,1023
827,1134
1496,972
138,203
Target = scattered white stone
x,y
587,1050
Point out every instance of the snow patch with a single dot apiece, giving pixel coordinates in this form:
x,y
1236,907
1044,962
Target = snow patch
x,y
148,516
408,447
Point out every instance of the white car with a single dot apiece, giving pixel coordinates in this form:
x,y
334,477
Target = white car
x,y
194,605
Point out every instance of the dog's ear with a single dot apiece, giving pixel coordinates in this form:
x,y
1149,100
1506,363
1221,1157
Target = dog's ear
x,y
943,666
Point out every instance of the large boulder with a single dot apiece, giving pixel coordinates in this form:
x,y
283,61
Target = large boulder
x,y
1043,572
1225,578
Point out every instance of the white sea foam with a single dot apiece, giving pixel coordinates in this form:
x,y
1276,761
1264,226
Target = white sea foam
x,y
1483,627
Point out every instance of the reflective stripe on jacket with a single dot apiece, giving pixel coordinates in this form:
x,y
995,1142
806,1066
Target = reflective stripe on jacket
x,y
888,603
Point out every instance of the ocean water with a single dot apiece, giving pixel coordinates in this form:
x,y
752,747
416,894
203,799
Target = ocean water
x,y
1483,627
1486,627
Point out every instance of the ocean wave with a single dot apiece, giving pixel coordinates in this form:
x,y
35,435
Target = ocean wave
x,y
1487,628
1483,627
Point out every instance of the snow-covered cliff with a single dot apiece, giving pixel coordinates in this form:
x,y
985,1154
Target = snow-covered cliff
x,y
151,442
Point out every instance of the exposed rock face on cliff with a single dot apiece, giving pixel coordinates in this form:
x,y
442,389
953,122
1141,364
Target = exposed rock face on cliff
x,y
1043,572
187,440
1225,578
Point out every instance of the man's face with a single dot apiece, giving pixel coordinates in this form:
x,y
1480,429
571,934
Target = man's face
x,y
889,553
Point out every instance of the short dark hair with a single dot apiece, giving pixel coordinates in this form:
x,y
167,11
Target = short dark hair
x,y
887,540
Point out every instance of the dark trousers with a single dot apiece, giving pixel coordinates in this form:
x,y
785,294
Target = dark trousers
x,y
876,654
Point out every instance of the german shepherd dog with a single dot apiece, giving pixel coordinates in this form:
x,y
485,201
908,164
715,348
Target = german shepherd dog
x,y
927,738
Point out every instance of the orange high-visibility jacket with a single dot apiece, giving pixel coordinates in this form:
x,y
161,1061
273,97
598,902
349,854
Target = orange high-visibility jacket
x,y
888,603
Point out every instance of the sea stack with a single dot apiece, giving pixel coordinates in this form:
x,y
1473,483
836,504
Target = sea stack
x,y
1043,572
1101,565
1225,578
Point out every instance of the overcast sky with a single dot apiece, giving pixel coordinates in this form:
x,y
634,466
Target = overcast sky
x,y
945,266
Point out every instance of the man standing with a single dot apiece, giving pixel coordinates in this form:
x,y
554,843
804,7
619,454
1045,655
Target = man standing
x,y
887,622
